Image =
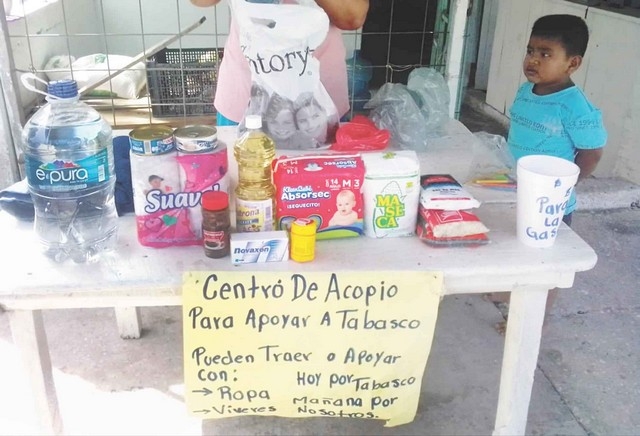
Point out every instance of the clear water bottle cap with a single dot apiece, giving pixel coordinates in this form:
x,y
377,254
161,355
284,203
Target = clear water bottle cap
x,y
253,121
63,88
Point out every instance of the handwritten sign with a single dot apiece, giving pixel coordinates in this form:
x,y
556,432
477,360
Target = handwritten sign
x,y
548,216
347,344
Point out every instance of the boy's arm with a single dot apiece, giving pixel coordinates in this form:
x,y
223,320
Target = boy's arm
x,y
345,14
587,160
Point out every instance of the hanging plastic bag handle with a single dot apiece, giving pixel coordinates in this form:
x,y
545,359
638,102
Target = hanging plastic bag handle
x,y
31,87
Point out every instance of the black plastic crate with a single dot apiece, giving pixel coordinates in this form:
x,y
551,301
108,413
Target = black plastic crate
x,y
182,82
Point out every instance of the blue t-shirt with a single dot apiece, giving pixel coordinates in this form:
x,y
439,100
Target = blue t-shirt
x,y
557,124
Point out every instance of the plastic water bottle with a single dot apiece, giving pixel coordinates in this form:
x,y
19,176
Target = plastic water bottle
x,y
255,194
70,170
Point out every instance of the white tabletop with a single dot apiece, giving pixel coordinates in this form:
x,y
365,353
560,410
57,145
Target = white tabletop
x,y
137,275
134,275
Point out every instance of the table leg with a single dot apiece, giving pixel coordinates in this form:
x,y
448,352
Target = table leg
x,y
522,344
128,319
29,336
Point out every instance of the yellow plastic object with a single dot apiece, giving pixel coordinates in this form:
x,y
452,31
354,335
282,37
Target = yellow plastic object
x,y
303,240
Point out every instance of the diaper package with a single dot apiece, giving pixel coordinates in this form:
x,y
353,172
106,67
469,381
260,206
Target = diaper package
x,y
391,193
324,188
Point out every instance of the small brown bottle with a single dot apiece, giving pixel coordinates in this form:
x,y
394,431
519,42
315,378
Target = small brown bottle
x,y
215,223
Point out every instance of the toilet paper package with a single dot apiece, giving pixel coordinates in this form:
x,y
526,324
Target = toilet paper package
x,y
391,193
166,194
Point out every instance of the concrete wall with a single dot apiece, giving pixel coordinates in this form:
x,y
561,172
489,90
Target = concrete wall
x,y
136,26
610,74
485,45
158,20
47,30
124,27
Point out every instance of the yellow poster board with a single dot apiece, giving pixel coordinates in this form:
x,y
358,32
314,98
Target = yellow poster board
x,y
344,344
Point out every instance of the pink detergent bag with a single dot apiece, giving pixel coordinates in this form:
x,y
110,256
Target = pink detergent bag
x,y
324,188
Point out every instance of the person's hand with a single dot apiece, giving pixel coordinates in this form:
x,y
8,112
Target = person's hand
x,y
204,3
345,14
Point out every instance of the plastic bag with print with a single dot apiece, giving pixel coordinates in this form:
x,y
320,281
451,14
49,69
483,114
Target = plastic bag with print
x,y
278,41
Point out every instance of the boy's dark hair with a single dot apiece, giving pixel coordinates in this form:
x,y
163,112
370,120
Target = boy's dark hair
x,y
569,30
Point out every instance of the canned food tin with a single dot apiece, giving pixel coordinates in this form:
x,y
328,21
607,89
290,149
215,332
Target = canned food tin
x,y
196,139
150,140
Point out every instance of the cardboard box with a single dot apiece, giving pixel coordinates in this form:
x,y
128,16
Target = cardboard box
x,y
258,247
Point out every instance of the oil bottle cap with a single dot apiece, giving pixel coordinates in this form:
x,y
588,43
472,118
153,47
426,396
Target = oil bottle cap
x,y
253,121
304,226
215,200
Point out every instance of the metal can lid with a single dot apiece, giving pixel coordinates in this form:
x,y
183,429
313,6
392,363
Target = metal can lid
x,y
196,132
151,132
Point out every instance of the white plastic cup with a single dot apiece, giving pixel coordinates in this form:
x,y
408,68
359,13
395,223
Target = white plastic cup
x,y
545,184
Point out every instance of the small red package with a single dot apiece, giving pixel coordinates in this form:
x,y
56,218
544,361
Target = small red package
x,y
425,234
452,223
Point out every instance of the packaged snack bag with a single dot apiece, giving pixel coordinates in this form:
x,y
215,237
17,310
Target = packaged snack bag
x,y
425,234
452,223
442,191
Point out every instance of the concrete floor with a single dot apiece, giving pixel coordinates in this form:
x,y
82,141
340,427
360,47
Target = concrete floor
x,y
479,117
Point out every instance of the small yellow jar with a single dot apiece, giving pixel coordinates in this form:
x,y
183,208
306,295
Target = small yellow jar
x,y
303,240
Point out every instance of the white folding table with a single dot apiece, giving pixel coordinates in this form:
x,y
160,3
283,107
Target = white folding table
x,y
135,276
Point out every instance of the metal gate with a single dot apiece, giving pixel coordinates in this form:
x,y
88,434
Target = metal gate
x,y
162,58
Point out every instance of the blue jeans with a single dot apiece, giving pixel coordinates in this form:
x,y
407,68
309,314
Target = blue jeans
x,y
221,120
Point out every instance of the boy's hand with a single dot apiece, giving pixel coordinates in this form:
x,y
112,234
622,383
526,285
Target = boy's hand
x,y
587,160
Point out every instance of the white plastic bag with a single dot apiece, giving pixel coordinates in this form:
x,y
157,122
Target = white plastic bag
x,y
394,108
413,113
89,69
433,96
491,156
278,41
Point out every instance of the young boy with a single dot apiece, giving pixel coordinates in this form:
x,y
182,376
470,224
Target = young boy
x,y
550,115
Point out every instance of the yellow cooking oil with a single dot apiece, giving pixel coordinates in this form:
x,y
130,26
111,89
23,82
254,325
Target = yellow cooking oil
x,y
255,194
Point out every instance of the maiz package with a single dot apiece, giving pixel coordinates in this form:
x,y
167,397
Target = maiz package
x,y
278,41
324,188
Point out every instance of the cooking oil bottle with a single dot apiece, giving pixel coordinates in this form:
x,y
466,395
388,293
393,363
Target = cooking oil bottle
x,y
255,194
